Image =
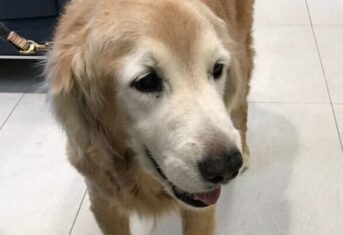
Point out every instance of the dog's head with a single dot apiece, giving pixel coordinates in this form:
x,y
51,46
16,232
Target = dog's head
x,y
165,74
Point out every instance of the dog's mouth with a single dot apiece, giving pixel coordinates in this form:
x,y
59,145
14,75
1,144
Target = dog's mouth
x,y
203,199
198,199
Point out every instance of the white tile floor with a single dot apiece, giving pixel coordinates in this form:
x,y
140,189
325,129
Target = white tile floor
x,y
294,185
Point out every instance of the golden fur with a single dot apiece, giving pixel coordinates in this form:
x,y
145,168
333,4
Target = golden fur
x,y
79,70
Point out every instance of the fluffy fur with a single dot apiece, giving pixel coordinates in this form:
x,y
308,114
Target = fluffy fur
x,y
100,47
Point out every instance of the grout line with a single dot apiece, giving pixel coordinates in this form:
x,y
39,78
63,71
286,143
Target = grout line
x,y
326,25
325,78
77,213
20,99
16,105
281,102
9,115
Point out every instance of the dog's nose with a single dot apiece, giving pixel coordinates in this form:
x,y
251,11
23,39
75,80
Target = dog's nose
x,y
220,168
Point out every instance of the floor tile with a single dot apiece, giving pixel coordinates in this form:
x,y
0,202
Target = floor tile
x,y
85,223
281,12
287,66
7,103
326,11
40,192
293,186
330,44
339,117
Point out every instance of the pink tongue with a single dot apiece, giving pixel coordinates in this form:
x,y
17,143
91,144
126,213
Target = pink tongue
x,y
208,198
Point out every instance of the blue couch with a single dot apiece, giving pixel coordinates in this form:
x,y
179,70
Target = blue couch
x,y
33,19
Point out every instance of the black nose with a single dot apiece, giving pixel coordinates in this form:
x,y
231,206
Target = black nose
x,y
221,167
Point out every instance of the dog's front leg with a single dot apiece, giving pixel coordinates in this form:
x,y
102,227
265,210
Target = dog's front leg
x,y
109,220
200,222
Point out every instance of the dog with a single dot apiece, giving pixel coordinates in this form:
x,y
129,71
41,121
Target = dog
x,y
152,95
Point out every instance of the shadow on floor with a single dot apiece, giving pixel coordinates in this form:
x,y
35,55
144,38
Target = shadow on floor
x,y
21,76
257,201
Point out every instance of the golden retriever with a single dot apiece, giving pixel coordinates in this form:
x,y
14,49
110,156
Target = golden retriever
x,y
152,95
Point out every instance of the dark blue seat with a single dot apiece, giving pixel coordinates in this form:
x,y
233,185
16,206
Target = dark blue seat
x,y
33,20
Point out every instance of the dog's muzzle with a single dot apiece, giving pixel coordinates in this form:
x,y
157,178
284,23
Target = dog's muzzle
x,y
202,199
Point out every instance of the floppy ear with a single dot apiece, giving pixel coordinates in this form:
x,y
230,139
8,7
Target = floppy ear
x,y
63,72
77,94
234,88
59,72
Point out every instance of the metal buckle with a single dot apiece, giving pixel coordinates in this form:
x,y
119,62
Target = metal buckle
x,y
34,47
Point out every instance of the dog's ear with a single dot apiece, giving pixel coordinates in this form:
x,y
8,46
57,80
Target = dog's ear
x,y
234,85
234,88
81,95
65,68
63,73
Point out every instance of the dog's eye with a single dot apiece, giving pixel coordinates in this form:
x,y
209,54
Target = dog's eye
x,y
217,71
149,83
